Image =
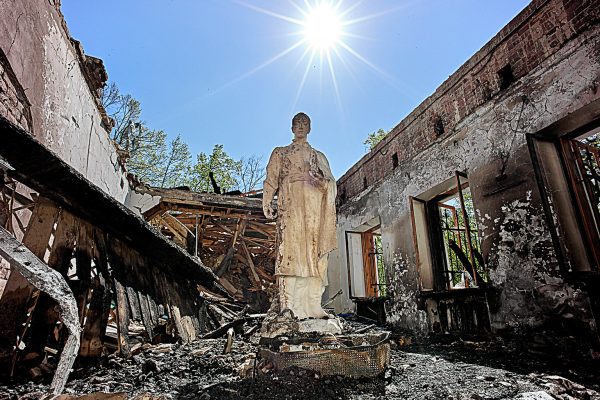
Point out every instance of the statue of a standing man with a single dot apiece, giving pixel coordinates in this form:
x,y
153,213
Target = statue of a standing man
x,y
305,187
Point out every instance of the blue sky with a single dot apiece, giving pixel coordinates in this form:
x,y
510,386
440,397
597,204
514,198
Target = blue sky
x,y
190,63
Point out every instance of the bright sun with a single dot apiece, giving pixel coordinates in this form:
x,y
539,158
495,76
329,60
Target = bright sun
x,y
322,27
323,32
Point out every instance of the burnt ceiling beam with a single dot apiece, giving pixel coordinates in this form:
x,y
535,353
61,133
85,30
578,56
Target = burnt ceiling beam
x,y
206,199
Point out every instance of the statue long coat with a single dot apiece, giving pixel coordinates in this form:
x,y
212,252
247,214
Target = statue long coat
x,y
305,209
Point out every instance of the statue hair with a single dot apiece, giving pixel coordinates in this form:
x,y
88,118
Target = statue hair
x,y
298,116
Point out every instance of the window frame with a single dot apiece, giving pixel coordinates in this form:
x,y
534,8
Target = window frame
x,y
579,188
368,257
428,238
551,167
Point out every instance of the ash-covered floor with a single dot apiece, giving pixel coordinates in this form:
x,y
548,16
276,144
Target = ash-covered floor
x,y
453,370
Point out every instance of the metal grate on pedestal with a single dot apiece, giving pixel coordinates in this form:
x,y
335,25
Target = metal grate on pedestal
x,y
359,361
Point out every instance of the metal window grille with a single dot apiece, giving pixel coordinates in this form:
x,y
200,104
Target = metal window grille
x,y
583,166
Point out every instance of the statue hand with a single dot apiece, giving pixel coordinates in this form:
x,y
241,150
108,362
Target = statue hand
x,y
269,213
318,180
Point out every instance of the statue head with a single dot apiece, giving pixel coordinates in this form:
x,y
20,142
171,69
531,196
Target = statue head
x,y
301,125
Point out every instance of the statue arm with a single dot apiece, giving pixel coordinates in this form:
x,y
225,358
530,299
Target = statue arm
x,y
271,184
330,182
324,167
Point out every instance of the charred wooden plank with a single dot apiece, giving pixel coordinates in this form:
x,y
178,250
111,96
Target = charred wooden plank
x,y
42,170
205,199
241,227
265,275
251,264
153,308
224,328
183,311
65,239
134,303
52,283
95,322
122,319
155,211
176,227
145,312
20,297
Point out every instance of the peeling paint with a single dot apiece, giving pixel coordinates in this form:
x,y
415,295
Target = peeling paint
x,y
526,288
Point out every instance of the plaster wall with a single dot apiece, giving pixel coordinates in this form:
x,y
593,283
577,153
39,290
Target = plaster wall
x,y
140,202
51,87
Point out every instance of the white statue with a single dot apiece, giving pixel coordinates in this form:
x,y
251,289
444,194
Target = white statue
x,y
305,187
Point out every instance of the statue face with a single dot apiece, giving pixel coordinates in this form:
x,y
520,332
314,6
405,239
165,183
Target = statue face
x,y
301,127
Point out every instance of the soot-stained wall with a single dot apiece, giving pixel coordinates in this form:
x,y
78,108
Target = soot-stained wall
x,y
553,50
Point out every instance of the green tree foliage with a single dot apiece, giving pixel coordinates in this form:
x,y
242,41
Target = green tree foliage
x,y
223,167
175,163
150,157
159,162
375,137
145,152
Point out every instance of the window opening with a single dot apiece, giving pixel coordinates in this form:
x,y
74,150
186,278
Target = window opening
x,y
506,77
446,238
438,127
366,268
381,281
460,236
582,156
373,263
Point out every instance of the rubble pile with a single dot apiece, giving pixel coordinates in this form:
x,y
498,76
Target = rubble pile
x,y
227,232
165,370
201,370
423,376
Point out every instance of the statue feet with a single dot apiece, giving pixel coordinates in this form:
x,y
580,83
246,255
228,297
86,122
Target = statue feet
x,y
313,312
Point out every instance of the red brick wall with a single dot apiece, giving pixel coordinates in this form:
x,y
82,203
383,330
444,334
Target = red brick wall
x,y
538,32
14,105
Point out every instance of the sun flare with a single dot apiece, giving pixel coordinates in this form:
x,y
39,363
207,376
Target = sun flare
x,y
322,27
323,33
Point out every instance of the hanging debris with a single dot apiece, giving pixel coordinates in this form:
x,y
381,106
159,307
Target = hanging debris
x,y
228,233
50,282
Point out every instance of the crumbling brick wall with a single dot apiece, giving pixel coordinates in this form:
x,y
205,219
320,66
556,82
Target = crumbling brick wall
x,y
524,43
14,105
478,121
